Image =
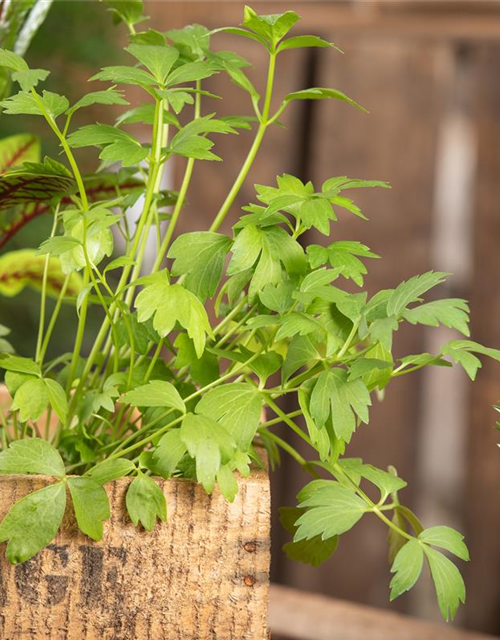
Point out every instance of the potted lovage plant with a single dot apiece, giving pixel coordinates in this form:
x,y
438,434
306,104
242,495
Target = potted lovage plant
x,y
167,408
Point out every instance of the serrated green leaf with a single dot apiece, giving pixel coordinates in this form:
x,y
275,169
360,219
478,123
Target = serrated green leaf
x,y
125,75
32,523
109,470
209,443
318,434
344,399
424,359
314,551
449,584
277,297
386,482
365,366
91,505
246,249
227,482
157,393
446,538
452,312
241,80
169,304
12,61
200,257
411,290
22,103
382,330
57,398
342,255
461,351
297,323
145,502
29,79
301,351
31,399
190,72
130,11
54,104
107,97
237,406
395,540
270,27
158,60
330,511
300,42
407,568
191,142
33,455
168,454
320,398
321,93
20,365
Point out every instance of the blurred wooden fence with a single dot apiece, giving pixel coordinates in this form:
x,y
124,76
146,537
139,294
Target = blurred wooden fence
x,y
429,74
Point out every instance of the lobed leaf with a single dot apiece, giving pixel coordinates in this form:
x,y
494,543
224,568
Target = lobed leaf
x,y
145,502
237,406
330,511
33,455
407,568
200,257
449,584
169,304
91,505
157,393
32,523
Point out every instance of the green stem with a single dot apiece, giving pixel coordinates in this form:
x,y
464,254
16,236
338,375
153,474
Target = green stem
x,y
234,312
163,249
264,123
350,338
234,329
286,419
401,371
150,193
373,507
286,447
79,335
43,301
53,319
67,150
154,360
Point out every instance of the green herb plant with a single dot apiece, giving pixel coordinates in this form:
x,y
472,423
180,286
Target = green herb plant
x,y
167,390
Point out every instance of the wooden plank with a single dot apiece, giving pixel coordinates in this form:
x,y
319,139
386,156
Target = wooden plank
x,y
483,474
465,20
298,615
202,575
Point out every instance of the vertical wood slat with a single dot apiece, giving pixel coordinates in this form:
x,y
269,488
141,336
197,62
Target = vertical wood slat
x,y
203,575
482,509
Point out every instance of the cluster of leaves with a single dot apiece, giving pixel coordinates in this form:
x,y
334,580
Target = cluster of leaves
x,y
164,391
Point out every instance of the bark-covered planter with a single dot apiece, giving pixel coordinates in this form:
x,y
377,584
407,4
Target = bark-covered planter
x,y
202,575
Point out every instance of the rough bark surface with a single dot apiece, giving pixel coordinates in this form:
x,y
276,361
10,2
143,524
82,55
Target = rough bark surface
x,y
202,575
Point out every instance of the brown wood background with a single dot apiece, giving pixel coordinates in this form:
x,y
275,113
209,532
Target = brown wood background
x,y
428,73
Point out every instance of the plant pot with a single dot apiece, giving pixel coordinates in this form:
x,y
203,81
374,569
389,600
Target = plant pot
x,y
202,575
